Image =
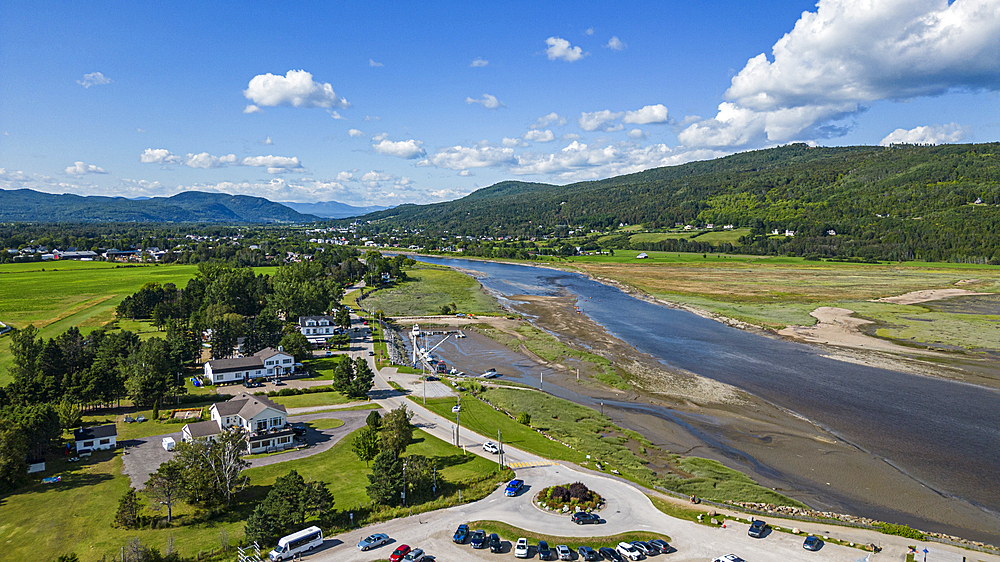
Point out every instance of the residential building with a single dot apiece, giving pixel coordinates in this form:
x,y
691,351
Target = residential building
x,y
264,422
96,438
268,362
317,329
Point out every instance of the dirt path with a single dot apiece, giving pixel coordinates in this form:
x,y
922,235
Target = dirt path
x,y
915,297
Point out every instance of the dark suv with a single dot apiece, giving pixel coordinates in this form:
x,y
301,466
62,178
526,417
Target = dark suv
x,y
757,529
583,518
495,544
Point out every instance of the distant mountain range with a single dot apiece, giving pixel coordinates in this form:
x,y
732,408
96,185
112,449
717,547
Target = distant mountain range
x,y
332,209
26,205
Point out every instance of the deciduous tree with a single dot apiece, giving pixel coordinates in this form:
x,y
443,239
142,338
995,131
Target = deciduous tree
x,y
365,444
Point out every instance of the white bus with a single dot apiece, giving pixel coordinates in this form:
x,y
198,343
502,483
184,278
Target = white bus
x,y
301,541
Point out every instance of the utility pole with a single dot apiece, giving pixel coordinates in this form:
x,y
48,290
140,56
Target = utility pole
x,y
541,382
403,493
500,453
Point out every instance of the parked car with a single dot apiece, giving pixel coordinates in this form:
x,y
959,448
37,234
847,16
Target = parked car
x,y
587,553
521,548
399,553
456,409
371,541
564,552
478,539
812,543
584,518
513,487
461,534
645,548
491,447
495,545
609,553
627,550
415,555
757,528
543,551
298,429
729,558
662,546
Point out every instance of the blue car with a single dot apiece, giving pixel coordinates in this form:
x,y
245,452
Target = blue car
x,y
478,539
461,534
812,543
513,487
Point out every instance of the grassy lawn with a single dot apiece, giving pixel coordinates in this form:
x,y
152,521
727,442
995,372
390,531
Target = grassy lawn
x,y
57,295
137,430
75,514
428,289
325,423
323,367
512,533
314,399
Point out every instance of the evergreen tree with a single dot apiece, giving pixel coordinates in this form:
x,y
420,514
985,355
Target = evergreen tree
x,y
386,480
127,516
397,431
374,420
166,486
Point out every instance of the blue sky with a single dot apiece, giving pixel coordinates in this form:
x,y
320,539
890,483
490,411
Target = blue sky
x,y
381,103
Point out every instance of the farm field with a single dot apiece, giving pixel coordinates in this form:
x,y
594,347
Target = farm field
x,y
57,295
712,237
428,289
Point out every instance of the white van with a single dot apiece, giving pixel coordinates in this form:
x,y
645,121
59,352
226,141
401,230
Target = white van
x,y
168,443
301,541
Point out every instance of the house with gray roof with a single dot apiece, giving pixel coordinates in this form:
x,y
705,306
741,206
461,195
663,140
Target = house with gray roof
x,y
268,362
318,329
264,422
96,437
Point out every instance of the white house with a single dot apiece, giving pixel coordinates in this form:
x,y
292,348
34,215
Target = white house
x,y
317,329
96,438
264,422
267,362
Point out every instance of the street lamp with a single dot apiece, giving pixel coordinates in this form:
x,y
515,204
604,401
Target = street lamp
x,y
403,493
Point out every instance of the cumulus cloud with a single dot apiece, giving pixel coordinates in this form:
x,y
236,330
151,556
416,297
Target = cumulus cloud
x,y
648,114
268,141
600,120
252,109
550,119
931,134
536,135
848,54
487,101
371,62
482,155
355,133
466,173
204,160
589,31
408,149
296,89
380,136
479,62
93,79
509,142
80,169
615,44
637,134
560,49
345,176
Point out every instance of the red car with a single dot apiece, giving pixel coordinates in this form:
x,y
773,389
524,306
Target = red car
x,y
399,553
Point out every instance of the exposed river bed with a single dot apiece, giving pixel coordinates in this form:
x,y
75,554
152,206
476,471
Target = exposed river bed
x,y
840,436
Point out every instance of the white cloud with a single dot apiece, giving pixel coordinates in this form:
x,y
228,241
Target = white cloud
x,y
466,173
372,118
482,155
408,149
138,130
600,120
80,169
206,160
335,115
848,54
380,137
535,135
589,31
93,79
487,101
371,62
546,120
648,114
637,134
251,108
509,142
355,133
450,194
571,136
479,62
931,134
273,164
345,176
268,141
560,48
615,44
158,156
296,88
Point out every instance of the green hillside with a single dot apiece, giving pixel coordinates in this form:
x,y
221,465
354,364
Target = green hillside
x,y
895,203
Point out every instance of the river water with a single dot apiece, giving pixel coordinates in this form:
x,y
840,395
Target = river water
x,y
945,433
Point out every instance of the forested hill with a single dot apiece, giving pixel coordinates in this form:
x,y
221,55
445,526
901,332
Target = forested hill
x,y
26,205
902,202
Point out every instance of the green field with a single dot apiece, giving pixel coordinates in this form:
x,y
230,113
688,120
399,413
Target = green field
x,y
75,514
428,289
312,399
57,295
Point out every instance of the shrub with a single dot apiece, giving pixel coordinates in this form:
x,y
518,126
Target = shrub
x,y
559,494
901,531
524,418
579,491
